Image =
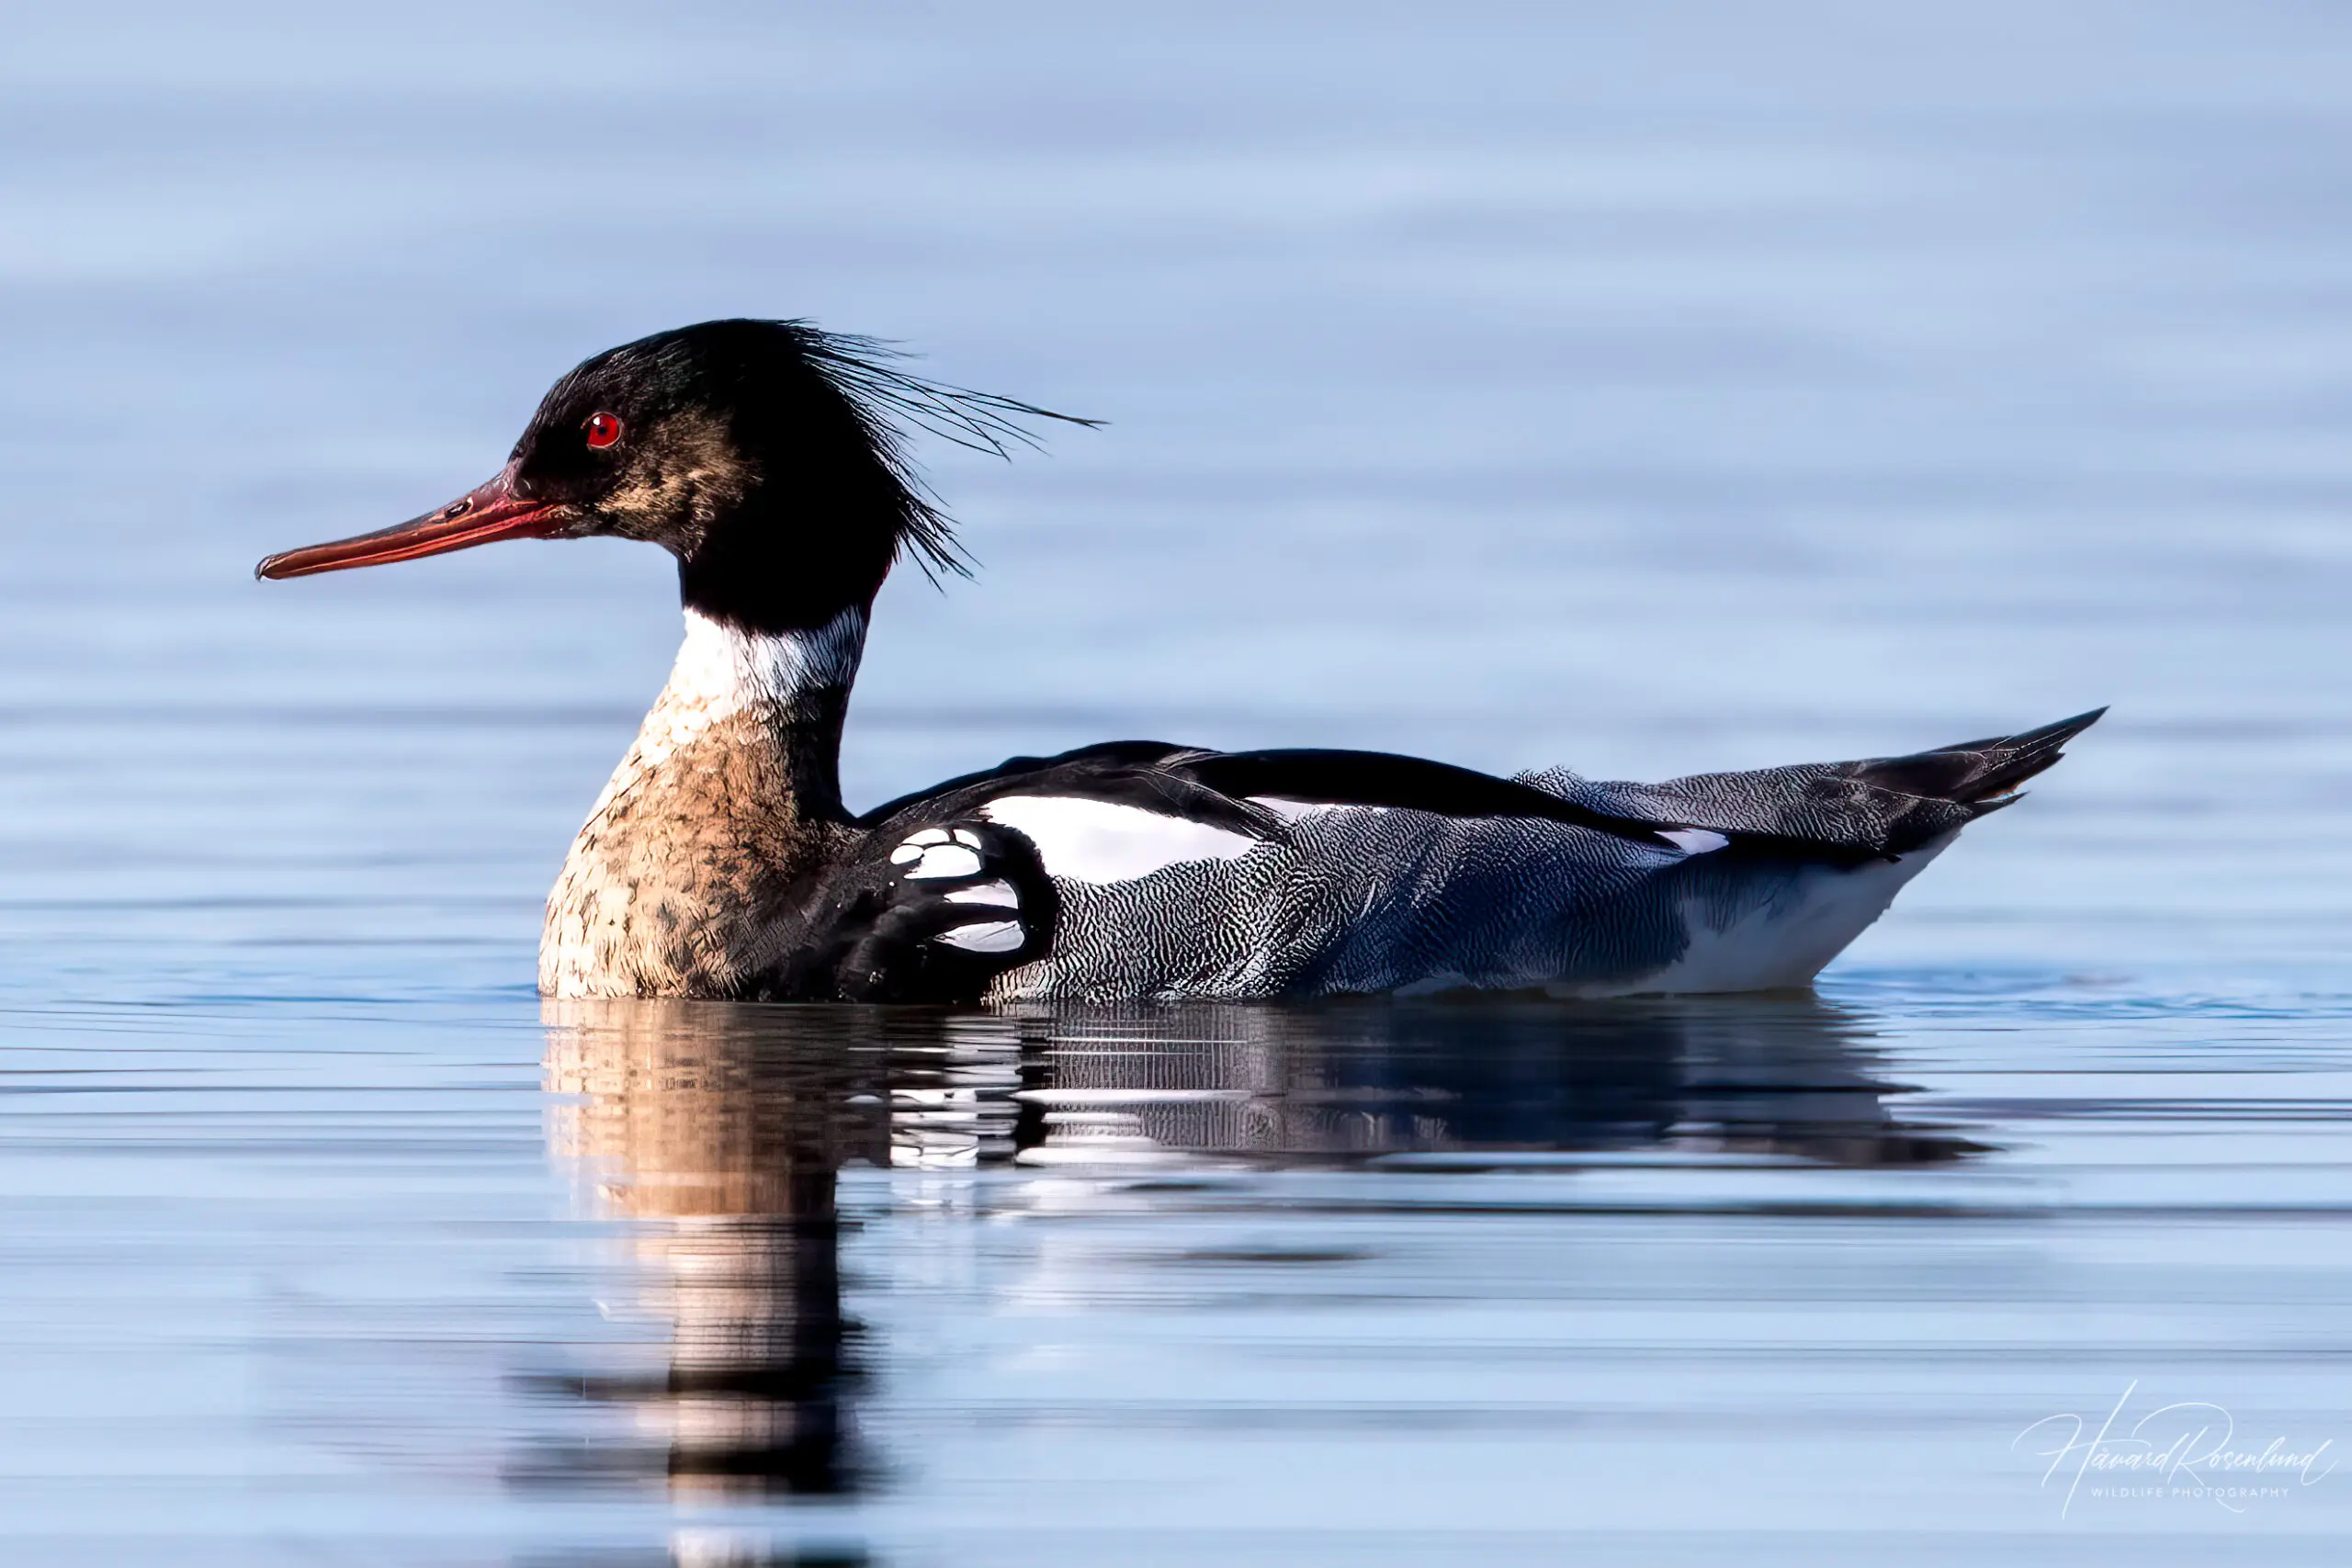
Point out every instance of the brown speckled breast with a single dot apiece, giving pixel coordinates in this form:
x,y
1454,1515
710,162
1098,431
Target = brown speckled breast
x,y
686,879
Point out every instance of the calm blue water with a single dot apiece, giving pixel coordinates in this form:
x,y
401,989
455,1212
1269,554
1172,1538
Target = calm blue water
x,y
1646,391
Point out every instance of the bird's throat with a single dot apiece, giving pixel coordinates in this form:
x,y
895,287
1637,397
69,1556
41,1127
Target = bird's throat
x,y
790,687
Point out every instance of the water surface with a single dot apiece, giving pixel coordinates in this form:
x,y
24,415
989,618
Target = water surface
x,y
1645,393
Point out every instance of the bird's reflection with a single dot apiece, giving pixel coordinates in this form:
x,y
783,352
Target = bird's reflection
x,y
721,1130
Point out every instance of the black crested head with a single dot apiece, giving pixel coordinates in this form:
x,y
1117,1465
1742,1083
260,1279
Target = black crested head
x,y
770,458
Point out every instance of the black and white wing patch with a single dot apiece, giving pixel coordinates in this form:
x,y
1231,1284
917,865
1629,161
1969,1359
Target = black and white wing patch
x,y
933,914
956,858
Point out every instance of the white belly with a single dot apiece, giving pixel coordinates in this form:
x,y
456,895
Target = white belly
x,y
1780,942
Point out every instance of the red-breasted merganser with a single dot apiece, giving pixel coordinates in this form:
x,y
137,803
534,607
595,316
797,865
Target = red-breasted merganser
x,y
770,459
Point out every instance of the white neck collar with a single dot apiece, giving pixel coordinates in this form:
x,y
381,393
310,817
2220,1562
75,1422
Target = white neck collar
x,y
722,668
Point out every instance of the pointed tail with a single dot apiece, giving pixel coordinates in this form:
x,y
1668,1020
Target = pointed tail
x,y
1981,775
1874,809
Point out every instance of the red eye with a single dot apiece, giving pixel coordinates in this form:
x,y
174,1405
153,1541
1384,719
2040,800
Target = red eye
x,y
603,430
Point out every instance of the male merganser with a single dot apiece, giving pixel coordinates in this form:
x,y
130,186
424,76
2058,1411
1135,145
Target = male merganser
x,y
770,459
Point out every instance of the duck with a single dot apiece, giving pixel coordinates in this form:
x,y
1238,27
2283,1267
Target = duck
x,y
774,460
